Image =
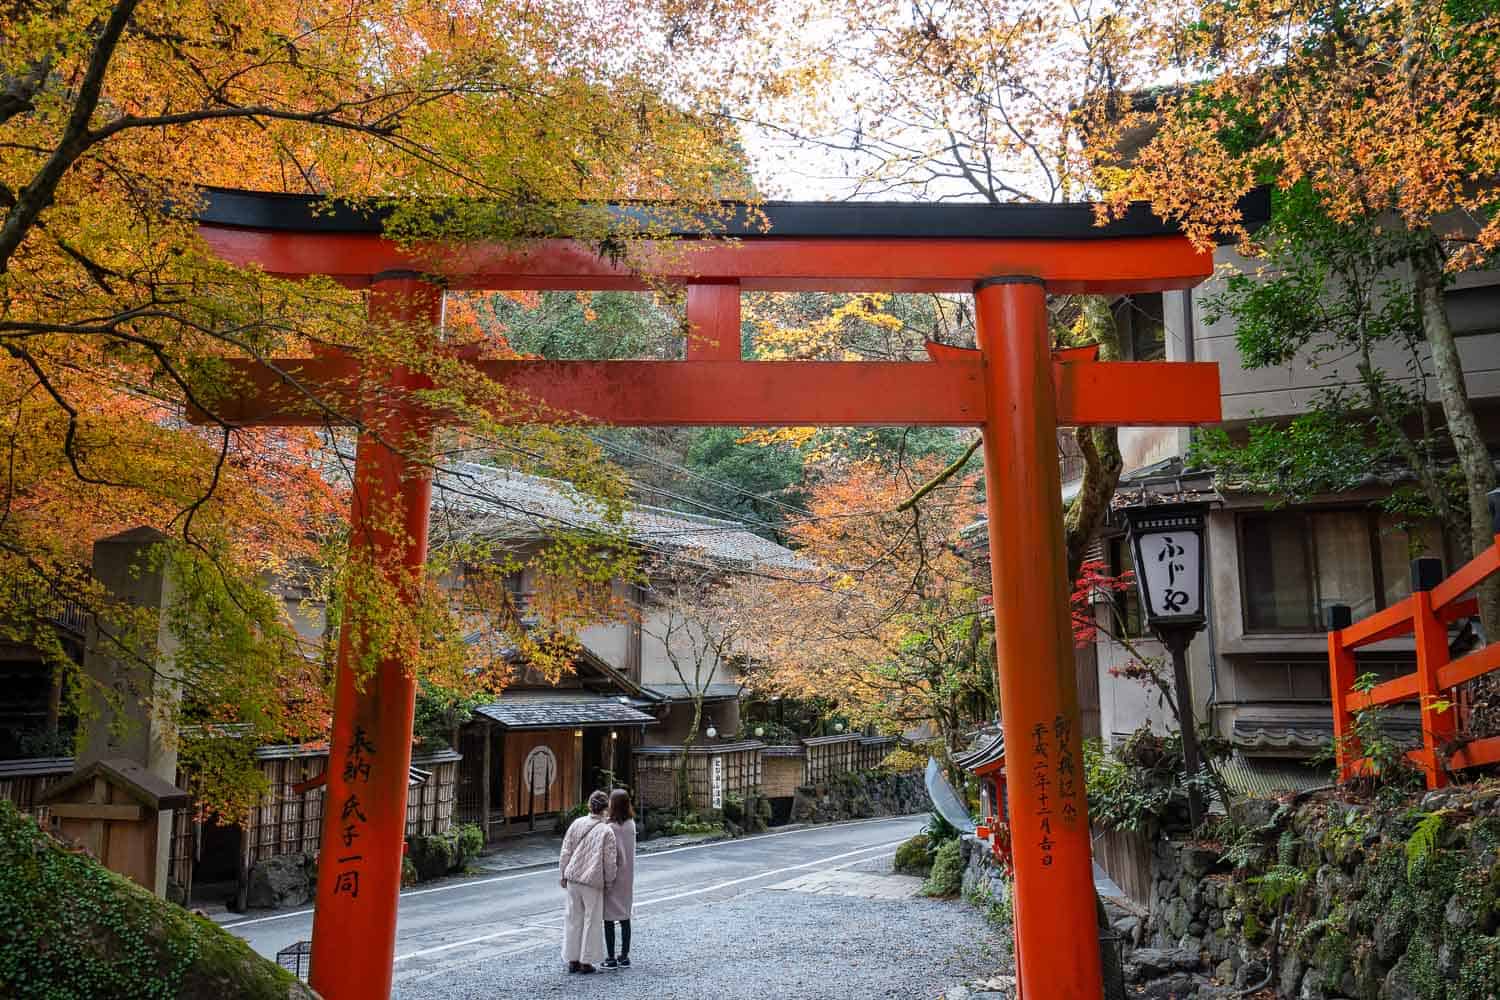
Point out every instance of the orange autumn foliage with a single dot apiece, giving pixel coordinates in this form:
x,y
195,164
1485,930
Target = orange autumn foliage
x,y
883,620
112,312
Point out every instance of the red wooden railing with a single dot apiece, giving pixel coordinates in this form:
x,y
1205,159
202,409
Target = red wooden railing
x,y
1424,615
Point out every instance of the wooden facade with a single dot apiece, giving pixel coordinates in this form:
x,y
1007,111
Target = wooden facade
x,y
23,781
545,743
286,821
832,755
738,770
774,771
783,770
541,772
1125,857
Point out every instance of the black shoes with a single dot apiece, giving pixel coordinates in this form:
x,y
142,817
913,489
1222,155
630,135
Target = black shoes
x,y
624,961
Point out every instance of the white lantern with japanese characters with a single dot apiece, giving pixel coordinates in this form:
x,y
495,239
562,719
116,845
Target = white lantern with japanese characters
x,y
1167,543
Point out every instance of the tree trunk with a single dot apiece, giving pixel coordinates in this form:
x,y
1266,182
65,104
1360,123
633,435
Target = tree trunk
x,y
684,789
1473,457
1100,447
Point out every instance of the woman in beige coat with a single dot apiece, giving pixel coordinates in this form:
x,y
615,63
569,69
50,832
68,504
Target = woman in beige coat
x,y
620,896
589,860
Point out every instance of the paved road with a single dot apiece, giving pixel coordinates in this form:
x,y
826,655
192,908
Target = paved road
x,y
455,935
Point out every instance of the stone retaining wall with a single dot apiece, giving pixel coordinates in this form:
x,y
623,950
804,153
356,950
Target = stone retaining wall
x,y
1332,900
1322,900
861,795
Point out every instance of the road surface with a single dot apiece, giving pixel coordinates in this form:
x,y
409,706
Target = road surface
x,y
774,908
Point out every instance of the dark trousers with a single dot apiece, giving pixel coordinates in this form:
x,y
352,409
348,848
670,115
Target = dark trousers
x,y
609,938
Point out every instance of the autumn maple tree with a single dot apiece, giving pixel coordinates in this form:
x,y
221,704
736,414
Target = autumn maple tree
x,y
882,618
480,120
1378,121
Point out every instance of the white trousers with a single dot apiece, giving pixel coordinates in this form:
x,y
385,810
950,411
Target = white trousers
x,y
583,929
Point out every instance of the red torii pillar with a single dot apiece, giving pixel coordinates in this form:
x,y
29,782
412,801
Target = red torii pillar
x,y
1012,388
369,754
1057,941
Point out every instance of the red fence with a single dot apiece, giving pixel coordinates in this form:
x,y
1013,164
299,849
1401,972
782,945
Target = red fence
x,y
1424,615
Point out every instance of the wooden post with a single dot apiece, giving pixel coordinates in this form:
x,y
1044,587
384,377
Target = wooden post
x,y
713,315
1340,682
484,790
1057,930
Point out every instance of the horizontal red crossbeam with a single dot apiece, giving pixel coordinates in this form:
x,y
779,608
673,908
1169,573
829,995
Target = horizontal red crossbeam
x,y
1387,623
1476,753
1466,668
751,393
1399,689
1467,576
1096,266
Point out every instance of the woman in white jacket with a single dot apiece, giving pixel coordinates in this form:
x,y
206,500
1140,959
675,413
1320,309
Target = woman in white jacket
x,y
620,895
589,861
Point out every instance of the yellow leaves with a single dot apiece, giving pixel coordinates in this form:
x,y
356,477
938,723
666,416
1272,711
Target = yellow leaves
x,y
1395,114
796,437
824,337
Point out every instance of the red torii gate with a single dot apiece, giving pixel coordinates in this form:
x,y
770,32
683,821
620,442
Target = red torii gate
x,y
1008,256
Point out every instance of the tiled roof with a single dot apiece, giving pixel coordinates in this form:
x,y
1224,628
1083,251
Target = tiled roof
x,y
684,692
736,746
562,712
500,502
1308,735
1268,778
989,750
31,767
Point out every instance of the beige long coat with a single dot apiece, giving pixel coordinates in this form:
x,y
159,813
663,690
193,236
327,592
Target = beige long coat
x,y
619,895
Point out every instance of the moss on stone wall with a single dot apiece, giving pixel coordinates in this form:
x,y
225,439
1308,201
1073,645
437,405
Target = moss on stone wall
x,y
1365,900
69,928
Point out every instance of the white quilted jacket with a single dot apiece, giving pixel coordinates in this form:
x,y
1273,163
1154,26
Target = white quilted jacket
x,y
590,855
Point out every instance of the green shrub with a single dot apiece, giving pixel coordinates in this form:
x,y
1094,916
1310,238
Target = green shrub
x,y
470,841
567,816
436,854
914,857
938,830
998,909
761,820
947,872
70,929
431,855
734,808
692,824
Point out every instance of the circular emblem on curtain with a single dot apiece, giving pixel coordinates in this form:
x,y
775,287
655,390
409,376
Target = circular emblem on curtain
x,y
540,770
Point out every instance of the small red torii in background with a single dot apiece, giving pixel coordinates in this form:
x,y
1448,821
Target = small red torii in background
x,y
1009,257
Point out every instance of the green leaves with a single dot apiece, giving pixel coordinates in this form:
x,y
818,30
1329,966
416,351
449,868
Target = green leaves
x,y
1422,842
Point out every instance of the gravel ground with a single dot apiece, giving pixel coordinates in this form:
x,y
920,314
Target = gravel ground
x,y
757,946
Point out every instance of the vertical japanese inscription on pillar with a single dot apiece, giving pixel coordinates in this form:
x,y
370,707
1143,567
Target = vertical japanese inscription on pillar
x,y
1041,781
357,758
1067,770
